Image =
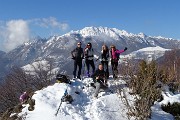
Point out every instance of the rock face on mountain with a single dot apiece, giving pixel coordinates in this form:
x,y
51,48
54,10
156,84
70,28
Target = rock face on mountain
x,y
57,48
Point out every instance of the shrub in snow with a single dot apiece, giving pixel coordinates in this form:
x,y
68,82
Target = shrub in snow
x,y
144,86
173,109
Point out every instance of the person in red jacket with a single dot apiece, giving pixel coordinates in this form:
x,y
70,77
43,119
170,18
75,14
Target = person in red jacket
x,y
115,58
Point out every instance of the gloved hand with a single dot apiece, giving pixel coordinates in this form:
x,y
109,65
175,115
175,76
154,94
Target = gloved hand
x,y
97,77
125,48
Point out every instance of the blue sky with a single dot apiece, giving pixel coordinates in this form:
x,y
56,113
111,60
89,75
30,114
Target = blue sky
x,y
23,19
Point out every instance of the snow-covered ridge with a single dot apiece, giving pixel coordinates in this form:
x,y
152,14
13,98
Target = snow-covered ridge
x,y
99,31
144,53
157,48
84,106
160,37
112,32
107,107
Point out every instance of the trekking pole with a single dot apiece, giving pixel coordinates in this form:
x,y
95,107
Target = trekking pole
x,y
65,93
58,107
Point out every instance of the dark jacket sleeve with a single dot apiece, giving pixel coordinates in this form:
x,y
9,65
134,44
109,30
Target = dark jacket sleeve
x,y
94,75
72,53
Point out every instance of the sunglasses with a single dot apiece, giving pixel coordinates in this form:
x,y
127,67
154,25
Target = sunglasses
x,y
78,44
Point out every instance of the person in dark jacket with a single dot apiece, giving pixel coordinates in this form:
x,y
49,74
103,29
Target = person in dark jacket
x,y
89,58
99,77
77,56
115,58
105,59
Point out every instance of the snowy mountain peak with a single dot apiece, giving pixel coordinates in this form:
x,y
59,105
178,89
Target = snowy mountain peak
x,y
110,32
160,37
99,31
142,35
95,31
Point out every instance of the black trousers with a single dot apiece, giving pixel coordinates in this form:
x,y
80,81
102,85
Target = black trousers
x,y
106,68
88,63
114,64
77,64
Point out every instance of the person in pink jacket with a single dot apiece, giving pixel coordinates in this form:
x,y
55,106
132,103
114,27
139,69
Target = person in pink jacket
x,y
115,58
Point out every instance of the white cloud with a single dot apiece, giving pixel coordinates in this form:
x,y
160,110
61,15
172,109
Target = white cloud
x,y
16,33
51,23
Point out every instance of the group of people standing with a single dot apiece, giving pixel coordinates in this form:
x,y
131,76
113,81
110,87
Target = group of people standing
x,y
78,54
101,75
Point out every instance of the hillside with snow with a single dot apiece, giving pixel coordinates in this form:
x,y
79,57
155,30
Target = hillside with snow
x,y
147,53
83,107
108,106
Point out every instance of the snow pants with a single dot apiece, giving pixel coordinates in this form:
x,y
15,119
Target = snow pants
x,y
98,86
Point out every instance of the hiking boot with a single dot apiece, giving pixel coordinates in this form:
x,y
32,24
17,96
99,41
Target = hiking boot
x,y
115,77
88,75
79,77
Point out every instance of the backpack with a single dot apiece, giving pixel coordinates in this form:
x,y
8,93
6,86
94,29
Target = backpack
x,y
67,98
62,79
